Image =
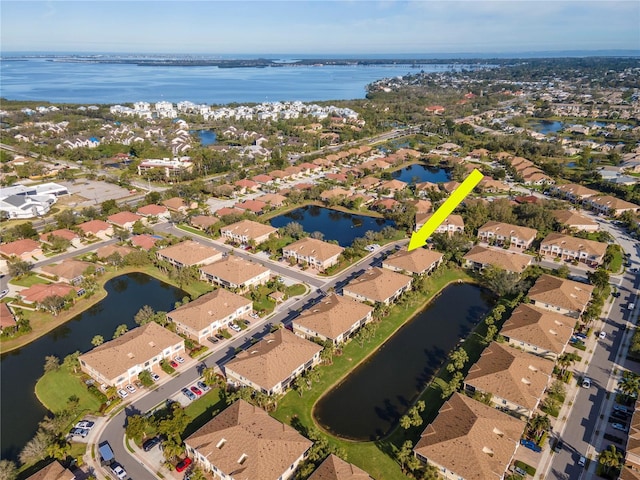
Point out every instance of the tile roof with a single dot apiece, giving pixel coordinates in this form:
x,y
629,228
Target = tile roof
x,y
262,178
53,471
190,252
537,326
152,210
575,244
508,230
107,250
274,358
335,192
62,233
334,468
311,247
40,291
269,446
561,292
249,228
613,203
7,319
94,226
453,219
19,247
204,221
505,259
414,261
471,439
393,185
208,308
69,268
234,270
576,190
135,347
333,316
633,442
274,199
122,218
378,284
144,241
509,373
572,218
174,203
256,206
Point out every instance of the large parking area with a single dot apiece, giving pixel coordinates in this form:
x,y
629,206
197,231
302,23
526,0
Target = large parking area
x,y
84,193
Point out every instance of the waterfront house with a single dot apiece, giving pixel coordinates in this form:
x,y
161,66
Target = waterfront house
x,y
315,253
334,318
71,271
188,254
335,193
35,294
334,468
124,220
567,247
270,365
573,220
515,379
560,295
53,471
245,442
207,314
505,234
106,251
7,318
119,361
470,440
235,272
537,330
63,233
97,228
246,231
392,186
274,200
421,206
419,261
480,257
608,205
377,285
24,249
452,224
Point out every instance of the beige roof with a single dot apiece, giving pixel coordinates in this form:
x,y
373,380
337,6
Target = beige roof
x,y
312,247
19,247
189,252
234,269
571,218
414,261
505,259
68,268
123,250
274,358
174,203
133,348
378,284
561,292
274,199
508,230
269,446
512,374
333,316
471,439
334,468
204,221
575,244
453,219
613,203
335,192
633,442
393,185
540,327
576,190
53,471
490,183
249,228
208,308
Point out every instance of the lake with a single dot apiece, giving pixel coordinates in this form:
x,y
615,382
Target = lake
x,y
371,400
333,224
419,172
206,137
546,126
20,369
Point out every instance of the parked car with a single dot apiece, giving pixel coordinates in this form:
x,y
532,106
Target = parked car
x,y
234,327
530,444
79,432
580,335
4,293
179,359
118,471
602,335
619,415
183,464
155,377
586,382
188,393
202,386
212,339
582,461
196,390
558,446
173,363
620,408
131,388
85,424
619,426
632,306
122,393
149,444
219,336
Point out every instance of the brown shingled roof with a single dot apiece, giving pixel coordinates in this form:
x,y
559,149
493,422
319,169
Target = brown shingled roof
x,y
561,292
53,471
190,252
505,259
334,468
414,261
234,269
378,284
208,308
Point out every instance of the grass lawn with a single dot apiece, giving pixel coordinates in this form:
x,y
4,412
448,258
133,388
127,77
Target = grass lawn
x,y
616,261
203,409
296,289
195,231
28,280
53,390
375,457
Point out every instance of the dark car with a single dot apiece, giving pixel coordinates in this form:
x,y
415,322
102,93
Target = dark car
x,y
558,446
531,445
149,444
212,339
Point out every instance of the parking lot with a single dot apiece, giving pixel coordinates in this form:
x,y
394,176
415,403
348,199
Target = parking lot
x,y
87,193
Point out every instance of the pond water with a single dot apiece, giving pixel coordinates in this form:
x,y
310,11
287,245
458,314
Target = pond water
x,y
20,369
333,224
371,400
419,172
546,126
206,137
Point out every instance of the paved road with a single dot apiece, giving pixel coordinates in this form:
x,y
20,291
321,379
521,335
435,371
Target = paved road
x,y
579,431
113,432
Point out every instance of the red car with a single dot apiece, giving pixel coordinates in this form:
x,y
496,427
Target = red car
x,y
196,390
183,464
173,364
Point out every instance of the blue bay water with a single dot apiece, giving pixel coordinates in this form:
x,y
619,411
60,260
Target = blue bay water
x,y
106,83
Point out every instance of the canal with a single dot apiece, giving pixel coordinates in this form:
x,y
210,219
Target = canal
x,y
20,369
368,403
333,224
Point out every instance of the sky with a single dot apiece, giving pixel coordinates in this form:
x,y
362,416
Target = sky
x,y
318,26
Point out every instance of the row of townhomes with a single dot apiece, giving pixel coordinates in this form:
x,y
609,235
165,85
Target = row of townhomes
x,y
472,440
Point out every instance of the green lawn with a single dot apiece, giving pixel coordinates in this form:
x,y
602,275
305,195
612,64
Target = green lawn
x,y
28,280
53,390
375,457
202,410
195,231
296,289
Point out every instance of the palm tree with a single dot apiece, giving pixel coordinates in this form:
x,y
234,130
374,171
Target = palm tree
x,y
538,424
564,361
630,384
172,448
610,458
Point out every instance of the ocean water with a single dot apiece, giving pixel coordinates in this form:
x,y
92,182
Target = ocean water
x,y
41,78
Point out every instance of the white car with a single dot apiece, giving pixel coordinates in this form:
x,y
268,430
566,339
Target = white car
x,y
179,359
3,293
122,393
602,335
234,327
119,471
586,382
131,388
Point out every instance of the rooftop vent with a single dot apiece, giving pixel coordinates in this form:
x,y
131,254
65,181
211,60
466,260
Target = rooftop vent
x,y
130,355
525,381
152,343
488,451
498,432
242,458
221,443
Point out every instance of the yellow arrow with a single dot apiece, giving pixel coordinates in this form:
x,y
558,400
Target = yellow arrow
x,y
419,238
